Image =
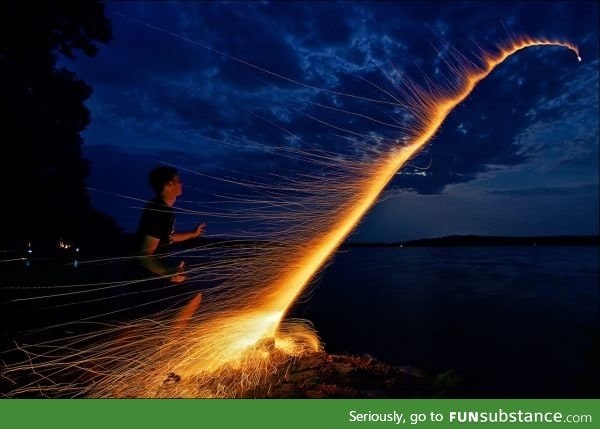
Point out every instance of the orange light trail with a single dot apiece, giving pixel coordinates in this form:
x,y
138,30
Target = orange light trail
x,y
271,305
239,336
293,282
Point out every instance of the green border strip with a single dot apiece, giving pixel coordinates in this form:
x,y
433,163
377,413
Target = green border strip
x,y
281,413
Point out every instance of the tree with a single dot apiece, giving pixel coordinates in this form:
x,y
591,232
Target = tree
x,y
42,172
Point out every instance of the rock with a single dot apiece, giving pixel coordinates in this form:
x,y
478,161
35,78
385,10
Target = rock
x,y
321,375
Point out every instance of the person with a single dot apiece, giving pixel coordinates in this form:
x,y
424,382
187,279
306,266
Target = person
x,y
156,230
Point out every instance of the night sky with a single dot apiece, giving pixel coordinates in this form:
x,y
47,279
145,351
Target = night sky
x,y
518,157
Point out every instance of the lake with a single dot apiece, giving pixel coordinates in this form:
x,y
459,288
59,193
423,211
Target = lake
x,y
512,321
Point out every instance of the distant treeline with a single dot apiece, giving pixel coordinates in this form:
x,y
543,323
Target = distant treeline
x,y
481,240
124,244
449,241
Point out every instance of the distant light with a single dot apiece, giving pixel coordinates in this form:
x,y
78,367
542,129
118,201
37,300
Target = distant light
x,y
578,58
75,263
77,250
29,251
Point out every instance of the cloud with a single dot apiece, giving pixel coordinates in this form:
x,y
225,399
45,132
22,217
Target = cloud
x,y
565,127
156,93
159,82
541,123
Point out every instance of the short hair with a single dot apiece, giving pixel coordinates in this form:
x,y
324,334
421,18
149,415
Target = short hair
x,y
160,176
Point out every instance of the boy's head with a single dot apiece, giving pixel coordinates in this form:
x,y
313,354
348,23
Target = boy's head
x,y
165,179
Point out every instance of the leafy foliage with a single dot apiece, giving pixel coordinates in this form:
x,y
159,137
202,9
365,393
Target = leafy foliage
x,y
42,172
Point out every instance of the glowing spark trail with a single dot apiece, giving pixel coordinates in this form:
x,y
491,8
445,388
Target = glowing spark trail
x,y
263,318
291,283
239,337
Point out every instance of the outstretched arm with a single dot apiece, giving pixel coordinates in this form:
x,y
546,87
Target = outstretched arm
x,y
182,236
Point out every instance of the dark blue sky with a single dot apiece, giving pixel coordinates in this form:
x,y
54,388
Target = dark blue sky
x,y
518,157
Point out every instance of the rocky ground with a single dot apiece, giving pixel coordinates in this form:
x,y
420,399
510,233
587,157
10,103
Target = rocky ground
x,y
322,375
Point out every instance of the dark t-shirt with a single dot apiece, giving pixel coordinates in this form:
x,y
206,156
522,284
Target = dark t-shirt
x,y
158,221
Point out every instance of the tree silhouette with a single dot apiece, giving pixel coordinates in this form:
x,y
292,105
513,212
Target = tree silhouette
x,y
42,171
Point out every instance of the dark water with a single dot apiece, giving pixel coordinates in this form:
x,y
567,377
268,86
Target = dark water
x,y
512,321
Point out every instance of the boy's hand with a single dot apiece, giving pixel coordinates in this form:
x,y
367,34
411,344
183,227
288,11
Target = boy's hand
x,y
199,230
180,276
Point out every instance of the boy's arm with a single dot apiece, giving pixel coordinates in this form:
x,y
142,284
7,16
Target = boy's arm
x,y
151,263
182,236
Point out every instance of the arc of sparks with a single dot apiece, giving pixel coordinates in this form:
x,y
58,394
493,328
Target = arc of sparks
x,y
294,281
240,331
228,348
